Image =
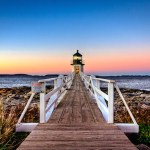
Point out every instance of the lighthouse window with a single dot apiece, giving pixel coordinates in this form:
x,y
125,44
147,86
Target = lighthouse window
x,y
75,57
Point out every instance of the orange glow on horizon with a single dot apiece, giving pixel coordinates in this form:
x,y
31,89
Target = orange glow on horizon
x,y
118,62
101,62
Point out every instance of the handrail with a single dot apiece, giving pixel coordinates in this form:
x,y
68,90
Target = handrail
x,y
127,107
105,80
26,107
105,101
66,83
47,96
101,102
47,80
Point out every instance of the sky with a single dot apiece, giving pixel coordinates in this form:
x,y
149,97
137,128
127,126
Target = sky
x,y
40,36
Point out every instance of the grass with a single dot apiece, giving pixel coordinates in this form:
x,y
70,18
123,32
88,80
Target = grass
x,y
9,139
143,137
7,123
144,134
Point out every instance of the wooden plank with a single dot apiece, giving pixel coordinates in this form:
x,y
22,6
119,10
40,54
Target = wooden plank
x,y
66,116
85,132
76,127
87,116
78,148
98,115
76,110
58,111
52,144
73,137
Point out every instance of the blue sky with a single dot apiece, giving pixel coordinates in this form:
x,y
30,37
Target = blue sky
x,y
59,27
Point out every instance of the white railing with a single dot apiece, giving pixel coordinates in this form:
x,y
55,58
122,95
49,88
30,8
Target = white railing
x,y
105,102
48,101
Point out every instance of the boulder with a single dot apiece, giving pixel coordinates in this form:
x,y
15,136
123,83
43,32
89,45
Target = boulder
x,y
145,95
147,98
143,147
144,106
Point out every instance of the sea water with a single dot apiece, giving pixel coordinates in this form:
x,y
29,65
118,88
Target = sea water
x,y
9,81
132,82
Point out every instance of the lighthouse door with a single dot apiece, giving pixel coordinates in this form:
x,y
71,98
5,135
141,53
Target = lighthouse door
x,y
77,69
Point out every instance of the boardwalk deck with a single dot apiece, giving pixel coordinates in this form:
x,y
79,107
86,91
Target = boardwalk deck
x,y
75,124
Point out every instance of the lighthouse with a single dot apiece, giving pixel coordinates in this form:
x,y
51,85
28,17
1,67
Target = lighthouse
x,y
77,64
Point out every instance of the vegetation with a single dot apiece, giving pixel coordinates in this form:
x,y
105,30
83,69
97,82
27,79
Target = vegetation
x,y
9,139
142,117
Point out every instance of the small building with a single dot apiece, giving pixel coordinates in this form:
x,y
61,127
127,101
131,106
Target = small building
x,y
77,63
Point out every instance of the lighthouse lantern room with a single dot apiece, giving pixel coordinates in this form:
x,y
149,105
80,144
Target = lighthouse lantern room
x,y
77,64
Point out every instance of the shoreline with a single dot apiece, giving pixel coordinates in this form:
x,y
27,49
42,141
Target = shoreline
x,y
21,94
137,100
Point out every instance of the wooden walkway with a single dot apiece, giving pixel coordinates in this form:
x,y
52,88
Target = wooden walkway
x,y
77,124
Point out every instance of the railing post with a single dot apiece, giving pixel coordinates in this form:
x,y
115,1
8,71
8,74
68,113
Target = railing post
x,y
42,107
110,103
98,84
55,83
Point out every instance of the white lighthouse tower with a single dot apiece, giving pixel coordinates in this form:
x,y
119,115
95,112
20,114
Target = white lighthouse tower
x,y
77,64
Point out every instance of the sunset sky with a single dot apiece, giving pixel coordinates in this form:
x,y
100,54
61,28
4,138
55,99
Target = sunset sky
x,y
40,36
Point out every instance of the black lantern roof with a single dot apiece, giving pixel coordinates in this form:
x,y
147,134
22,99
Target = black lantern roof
x,y
77,53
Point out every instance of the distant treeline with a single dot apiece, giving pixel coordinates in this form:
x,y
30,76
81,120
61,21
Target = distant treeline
x,y
27,75
125,77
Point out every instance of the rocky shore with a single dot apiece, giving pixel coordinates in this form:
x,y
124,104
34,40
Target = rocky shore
x,y
16,99
137,100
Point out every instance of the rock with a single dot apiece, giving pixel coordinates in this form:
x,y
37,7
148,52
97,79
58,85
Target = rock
x,y
132,94
143,147
16,97
8,100
26,96
29,93
144,106
147,103
143,95
147,98
140,99
3,91
21,96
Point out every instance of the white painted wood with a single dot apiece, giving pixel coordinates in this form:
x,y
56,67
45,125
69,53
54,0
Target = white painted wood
x,y
103,109
25,127
120,94
55,83
48,95
60,98
105,80
102,93
98,85
42,108
128,128
55,95
110,103
26,107
101,106
47,80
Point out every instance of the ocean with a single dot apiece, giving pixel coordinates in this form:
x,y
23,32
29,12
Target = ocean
x,y
127,81
20,80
